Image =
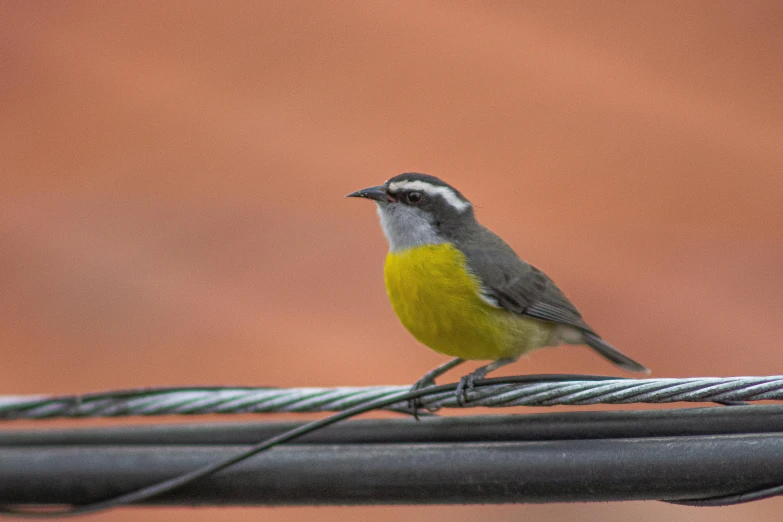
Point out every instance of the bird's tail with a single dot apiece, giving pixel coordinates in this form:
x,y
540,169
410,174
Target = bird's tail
x,y
613,354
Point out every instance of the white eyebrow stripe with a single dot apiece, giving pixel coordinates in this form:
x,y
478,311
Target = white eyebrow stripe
x,y
434,190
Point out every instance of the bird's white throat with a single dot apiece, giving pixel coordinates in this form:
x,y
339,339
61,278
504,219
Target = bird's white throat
x,y
406,227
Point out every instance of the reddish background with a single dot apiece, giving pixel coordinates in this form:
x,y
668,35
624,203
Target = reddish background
x,y
172,212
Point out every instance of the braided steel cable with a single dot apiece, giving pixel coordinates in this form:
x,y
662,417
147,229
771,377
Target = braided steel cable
x,y
493,393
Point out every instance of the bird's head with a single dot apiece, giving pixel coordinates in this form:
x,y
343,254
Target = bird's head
x,y
418,209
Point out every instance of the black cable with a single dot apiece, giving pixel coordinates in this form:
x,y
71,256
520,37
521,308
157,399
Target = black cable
x,y
571,425
474,472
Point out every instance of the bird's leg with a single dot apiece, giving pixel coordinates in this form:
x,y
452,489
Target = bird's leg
x,y
429,380
466,383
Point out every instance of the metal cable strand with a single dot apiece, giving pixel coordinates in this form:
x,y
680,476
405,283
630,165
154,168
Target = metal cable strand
x,y
198,401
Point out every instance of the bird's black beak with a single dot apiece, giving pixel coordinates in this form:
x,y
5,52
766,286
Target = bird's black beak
x,y
375,193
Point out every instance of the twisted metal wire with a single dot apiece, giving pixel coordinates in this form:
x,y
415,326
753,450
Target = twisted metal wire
x,y
199,401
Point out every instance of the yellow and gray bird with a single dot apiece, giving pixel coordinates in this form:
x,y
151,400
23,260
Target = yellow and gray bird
x,y
461,290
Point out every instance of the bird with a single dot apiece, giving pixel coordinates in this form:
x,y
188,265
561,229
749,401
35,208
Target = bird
x,y
462,291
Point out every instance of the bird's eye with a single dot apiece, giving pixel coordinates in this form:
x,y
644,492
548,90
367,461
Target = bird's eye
x,y
414,197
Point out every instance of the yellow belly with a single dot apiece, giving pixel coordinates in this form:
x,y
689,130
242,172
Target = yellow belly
x,y
438,301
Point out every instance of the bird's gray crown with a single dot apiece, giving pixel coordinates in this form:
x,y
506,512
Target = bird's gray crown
x,y
429,185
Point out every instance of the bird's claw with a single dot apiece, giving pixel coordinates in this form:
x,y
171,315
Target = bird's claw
x,y
415,404
467,384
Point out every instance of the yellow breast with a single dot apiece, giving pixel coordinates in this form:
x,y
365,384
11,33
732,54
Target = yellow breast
x,y
439,302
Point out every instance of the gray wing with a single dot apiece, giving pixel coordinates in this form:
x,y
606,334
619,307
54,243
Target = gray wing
x,y
518,286
522,288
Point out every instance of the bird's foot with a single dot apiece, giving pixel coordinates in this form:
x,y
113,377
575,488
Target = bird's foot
x,y
466,384
414,405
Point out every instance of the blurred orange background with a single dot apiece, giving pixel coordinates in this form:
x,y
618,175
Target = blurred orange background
x,y
172,212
